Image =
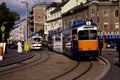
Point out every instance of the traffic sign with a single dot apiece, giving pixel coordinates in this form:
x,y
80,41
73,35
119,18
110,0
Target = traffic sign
x,y
2,28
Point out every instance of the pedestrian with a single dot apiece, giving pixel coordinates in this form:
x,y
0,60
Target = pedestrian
x,y
118,49
100,44
19,49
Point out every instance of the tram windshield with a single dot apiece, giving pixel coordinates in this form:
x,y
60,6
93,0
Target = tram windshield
x,y
87,35
36,39
57,39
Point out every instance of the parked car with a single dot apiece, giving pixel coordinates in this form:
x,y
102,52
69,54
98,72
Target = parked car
x,y
111,45
13,45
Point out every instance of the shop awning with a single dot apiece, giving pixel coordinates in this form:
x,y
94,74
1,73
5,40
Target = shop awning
x,y
109,37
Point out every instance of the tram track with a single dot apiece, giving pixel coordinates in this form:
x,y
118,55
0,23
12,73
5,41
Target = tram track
x,y
84,72
72,74
57,77
81,69
38,59
55,67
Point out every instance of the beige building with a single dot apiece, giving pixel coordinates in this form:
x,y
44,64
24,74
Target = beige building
x,y
103,12
38,17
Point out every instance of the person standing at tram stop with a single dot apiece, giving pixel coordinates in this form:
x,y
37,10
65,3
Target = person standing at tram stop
x,y
118,49
100,45
19,49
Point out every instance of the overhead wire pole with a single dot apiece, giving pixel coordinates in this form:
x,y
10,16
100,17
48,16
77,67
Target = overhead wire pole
x,y
26,3
26,45
119,11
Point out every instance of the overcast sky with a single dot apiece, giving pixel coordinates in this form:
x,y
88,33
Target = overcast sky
x,y
17,6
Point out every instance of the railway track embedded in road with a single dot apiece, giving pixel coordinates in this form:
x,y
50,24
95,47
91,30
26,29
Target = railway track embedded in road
x,y
73,70
39,58
80,70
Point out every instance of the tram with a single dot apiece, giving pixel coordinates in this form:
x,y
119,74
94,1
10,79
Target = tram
x,y
78,40
84,39
36,42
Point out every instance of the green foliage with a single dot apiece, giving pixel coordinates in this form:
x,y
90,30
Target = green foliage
x,y
7,16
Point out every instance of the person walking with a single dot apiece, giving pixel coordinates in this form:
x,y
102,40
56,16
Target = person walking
x,y
100,44
19,49
118,49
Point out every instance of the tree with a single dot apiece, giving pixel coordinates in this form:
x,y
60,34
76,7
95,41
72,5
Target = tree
x,y
7,16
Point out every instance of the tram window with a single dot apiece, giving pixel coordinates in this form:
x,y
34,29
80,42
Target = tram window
x,y
83,35
36,39
87,35
92,34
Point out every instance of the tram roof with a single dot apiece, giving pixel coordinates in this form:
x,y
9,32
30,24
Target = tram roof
x,y
80,23
35,34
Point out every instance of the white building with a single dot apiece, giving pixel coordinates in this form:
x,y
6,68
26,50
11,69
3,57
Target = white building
x,y
54,13
20,31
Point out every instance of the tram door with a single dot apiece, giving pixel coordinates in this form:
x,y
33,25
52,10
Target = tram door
x,y
74,47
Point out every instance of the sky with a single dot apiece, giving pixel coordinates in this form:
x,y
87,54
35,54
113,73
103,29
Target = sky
x,y
20,8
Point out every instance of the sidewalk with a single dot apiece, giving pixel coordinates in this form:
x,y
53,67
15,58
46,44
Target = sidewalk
x,y
110,49
14,57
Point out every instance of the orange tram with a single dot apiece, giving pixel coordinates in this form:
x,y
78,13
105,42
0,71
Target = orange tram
x,y
78,40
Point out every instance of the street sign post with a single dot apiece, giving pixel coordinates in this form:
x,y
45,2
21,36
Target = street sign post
x,y
2,28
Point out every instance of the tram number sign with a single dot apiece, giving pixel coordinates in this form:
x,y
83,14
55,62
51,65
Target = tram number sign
x,y
2,28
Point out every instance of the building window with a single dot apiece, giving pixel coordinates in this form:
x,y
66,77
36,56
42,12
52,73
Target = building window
x,y
105,12
116,25
92,13
116,13
105,26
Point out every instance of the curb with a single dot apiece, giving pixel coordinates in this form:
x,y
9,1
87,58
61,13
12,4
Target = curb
x,y
17,61
106,69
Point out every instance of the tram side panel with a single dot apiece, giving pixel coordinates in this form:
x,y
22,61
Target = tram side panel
x,y
67,43
50,42
57,46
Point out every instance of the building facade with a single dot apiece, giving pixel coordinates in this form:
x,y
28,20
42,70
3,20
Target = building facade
x,y
104,13
38,17
19,32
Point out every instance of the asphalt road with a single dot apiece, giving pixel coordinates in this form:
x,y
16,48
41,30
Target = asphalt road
x,y
114,72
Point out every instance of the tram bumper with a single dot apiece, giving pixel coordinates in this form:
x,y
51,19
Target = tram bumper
x,y
88,53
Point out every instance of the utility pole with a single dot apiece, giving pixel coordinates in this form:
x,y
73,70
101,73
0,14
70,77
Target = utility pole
x,y
26,3
119,12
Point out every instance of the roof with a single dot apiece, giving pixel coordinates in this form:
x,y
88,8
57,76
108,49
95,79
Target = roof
x,y
58,8
76,9
54,4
